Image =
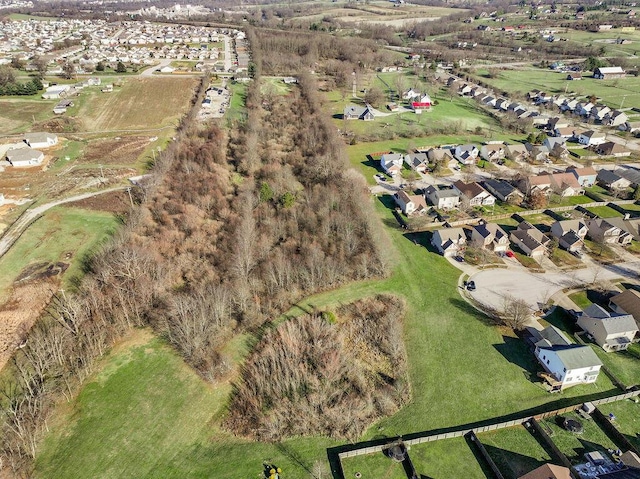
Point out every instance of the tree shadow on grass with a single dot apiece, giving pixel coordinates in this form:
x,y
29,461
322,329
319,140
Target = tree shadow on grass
x,y
512,464
466,308
516,351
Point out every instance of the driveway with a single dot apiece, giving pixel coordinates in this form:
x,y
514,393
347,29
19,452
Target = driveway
x,y
494,285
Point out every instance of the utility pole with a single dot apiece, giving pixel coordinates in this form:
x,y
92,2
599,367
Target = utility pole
x,y
130,197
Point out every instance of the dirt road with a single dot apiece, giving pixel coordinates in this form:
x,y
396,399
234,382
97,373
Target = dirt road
x,y
14,232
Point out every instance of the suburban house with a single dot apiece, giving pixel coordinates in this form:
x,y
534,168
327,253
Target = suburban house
x,y
599,112
410,94
443,199
627,224
630,126
586,176
574,76
557,147
503,190
24,157
417,161
489,236
583,108
612,181
535,183
391,163
55,92
40,140
437,155
548,471
530,240
630,173
601,231
570,234
567,364
422,103
565,132
565,184
466,154
516,152
411,204
611,331
355,112
610,148
492,152
627,302
537,153
608,73
475,194
615,118
557,122
449,241
591,137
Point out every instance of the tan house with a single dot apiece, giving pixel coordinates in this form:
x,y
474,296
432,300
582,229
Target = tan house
x,y
449,241
627,302
548,471
611,331
601,231
489,236
517,152
570,234
530,240
411,204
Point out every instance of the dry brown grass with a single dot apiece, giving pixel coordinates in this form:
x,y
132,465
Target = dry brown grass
x,y
320,374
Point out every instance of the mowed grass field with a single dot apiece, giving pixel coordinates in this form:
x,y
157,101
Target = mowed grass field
x,y
60,231
18,114
625,91
141,103
153,417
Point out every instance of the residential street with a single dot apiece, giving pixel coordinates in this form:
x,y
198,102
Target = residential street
x,y
493,285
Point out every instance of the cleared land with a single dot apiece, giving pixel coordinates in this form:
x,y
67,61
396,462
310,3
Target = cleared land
x,y
141,103
18,114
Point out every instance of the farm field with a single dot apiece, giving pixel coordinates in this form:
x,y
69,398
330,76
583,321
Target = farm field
x,y
141,103
18,114
612,92
449,388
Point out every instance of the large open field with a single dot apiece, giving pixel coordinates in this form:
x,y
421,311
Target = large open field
x,y
18,114
141,103
625,91
462,369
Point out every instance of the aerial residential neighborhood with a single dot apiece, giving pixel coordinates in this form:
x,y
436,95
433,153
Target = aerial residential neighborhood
x,y
373,239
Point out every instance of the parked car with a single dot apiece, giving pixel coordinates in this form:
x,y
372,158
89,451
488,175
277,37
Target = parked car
x,y
459,259
510,254
471,286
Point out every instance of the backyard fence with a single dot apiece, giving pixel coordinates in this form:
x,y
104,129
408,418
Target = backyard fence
x,y
611,430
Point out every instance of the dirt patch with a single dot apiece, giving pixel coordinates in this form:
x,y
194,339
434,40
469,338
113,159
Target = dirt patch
x,y
40,271
61,124
19,313
115,202
115,151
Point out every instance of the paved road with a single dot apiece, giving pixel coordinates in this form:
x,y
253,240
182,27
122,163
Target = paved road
x,y
227,53
16,229
165,62
493,285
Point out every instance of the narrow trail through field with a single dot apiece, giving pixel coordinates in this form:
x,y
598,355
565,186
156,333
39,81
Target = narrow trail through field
x,y
14,231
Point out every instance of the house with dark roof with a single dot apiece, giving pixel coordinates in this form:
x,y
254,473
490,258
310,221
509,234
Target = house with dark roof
x,y
530,240
591,137
356,112
631,174
570,234
449,241
417,161
466,154
609,148
475,194
567,364
503,190
489,236
611,180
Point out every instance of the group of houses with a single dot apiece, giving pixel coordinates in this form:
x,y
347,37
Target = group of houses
x,y
27,153
627,466
94,41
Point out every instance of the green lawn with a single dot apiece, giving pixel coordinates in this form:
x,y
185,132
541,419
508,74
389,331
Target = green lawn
x,y
153,417
574,446
373,466
581,300
19,113
604,211
627,420
444,459
612,92
569,201
625,365
514,450
600,252
237,110
526,261
60,231
562,258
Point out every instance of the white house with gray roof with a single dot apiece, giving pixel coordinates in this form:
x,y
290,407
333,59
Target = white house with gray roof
x,y
41,140
612,331
569,364
24,157
443,199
